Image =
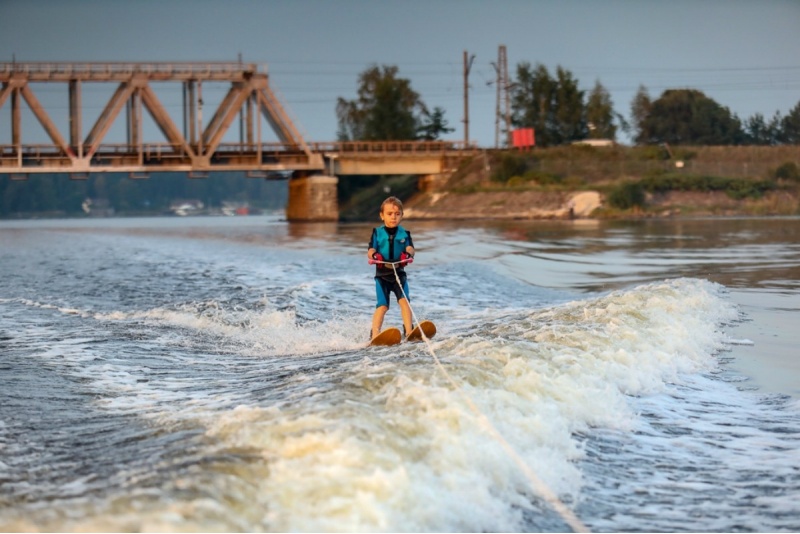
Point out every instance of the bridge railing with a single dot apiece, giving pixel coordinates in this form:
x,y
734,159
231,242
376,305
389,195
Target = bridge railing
x,y
347,147
40,152
408,147
266,148
107,156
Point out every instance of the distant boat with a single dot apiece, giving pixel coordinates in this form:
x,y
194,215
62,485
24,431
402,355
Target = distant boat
x,y
183,208
230,208
97,207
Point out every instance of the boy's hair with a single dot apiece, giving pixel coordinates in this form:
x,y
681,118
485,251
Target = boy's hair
x,y
392,200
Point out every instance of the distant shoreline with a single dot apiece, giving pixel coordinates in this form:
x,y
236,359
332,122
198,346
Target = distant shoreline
x,y
582,182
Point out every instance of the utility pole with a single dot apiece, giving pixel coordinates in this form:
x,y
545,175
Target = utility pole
x,y
503,109
467,66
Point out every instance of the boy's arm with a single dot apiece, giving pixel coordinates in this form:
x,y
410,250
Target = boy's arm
x,y
372,250
410,248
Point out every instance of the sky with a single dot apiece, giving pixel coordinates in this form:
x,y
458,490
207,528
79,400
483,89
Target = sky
x,y
744,54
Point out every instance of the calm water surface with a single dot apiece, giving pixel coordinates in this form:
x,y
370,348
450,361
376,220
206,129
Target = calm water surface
x,y
210,374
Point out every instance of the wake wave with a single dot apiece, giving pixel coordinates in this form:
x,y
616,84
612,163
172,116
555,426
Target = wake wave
x,y
379,441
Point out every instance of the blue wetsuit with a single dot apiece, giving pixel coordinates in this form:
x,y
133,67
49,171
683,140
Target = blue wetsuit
x,y
390,243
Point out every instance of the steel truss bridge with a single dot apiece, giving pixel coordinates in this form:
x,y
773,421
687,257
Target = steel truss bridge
x,y
188,145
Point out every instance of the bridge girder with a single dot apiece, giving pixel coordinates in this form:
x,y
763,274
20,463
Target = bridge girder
x,y
248,88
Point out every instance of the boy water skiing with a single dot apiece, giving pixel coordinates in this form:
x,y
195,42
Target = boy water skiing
x,y
391,244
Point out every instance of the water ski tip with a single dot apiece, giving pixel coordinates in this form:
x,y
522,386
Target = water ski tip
x,y
390,336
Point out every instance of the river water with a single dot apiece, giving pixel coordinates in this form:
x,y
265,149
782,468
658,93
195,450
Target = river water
x,y
206,374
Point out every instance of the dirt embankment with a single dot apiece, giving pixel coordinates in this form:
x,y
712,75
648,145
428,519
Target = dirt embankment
x,y
503,205
469,194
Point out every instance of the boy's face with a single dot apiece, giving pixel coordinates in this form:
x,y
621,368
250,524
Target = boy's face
x,y
391,215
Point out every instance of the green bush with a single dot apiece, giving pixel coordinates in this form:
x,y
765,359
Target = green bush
x,y
740,189
626,196
517,181
653,152
574,182
684,154
788,171
543,178
508,166
737,188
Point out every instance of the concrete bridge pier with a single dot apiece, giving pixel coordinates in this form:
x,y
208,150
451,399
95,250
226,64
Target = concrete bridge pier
x,y
313,198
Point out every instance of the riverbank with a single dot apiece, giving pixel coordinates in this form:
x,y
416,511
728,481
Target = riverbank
x,y
603,183
533,204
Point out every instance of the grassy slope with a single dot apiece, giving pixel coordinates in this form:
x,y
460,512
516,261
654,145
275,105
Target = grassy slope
x,y
675,180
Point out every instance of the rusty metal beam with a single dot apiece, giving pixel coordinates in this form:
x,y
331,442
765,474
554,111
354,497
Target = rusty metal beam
x,y
106,118
277,116
219,119
134,123
5,92
75,122
168,128
189,112
16,119
249,119
44,119
122,71
225,115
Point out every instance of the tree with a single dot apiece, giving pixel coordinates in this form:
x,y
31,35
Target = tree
x,y
387,108
553,107
433,125
790,126
570,115
757,131
600,114
532,101
689,117
640,109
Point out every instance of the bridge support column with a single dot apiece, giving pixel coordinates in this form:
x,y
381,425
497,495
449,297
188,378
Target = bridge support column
x,y
313,198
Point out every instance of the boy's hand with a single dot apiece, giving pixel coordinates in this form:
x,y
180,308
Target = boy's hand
x,y
405,259
376,258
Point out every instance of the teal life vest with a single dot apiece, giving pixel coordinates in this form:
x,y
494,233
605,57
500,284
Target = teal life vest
x,y
388,246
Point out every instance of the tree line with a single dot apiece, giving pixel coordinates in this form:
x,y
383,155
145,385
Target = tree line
x,y
57,194
388,108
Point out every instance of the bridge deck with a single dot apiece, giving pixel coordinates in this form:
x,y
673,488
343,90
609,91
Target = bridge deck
x,y
360,157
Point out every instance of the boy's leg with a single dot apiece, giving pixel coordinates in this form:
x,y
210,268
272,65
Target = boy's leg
x,y
377,320
405,312
381,307
405,308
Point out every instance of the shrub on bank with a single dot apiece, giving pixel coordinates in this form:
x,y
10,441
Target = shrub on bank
x,y
736,188
508,166
626,195
537,177
788,171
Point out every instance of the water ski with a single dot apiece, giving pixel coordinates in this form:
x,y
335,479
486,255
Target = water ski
x,y
425,327
390,336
